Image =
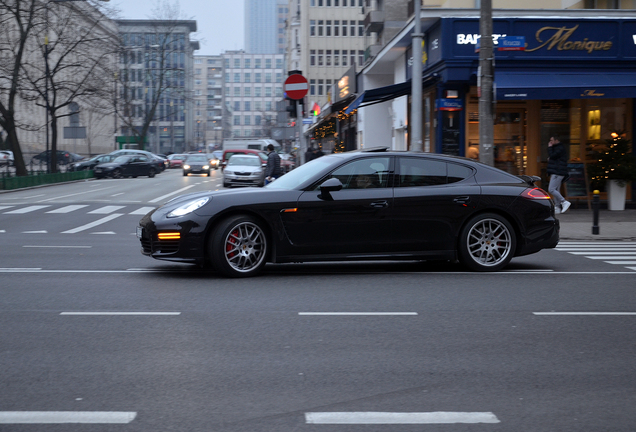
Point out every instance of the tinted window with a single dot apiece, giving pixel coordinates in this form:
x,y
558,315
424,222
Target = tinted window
x,y
363,173
458,172
421,172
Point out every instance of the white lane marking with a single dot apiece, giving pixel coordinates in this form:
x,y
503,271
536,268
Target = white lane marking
x,y
357,313
595,243
2,231
604,257
75,194
20,270
5,207
27,209
93,224
122,313
35,232
117,194
60,247
105,232
50,417
67,209
106,210
171,193
600,248
142,211
584,313
631,268
534,270
609,252
621,262
440,417
34,196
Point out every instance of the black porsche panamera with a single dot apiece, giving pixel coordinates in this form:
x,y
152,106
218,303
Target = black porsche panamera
x,y
372,204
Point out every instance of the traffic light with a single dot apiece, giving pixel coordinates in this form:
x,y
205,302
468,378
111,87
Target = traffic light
x,y
291,107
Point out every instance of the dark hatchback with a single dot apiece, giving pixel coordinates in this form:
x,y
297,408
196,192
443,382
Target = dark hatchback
x,y
91,163
127,166
363,205
196,164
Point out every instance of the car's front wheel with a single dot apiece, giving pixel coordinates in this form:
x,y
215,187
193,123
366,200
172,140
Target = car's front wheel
x,y
238,247
117,173
151,173
487,243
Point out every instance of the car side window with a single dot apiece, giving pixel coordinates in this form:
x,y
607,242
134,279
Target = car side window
x,y
421,172
364,173
143,159
458,172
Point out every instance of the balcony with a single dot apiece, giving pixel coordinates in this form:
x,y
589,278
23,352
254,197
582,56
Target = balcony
x,y
372,51
374,22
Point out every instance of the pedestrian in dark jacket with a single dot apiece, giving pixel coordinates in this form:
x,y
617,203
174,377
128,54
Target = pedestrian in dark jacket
x,y
272,169
557,170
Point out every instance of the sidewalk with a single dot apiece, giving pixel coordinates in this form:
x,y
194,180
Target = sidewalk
x,y
576,224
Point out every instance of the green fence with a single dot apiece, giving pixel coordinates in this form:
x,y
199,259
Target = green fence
x,y
8,183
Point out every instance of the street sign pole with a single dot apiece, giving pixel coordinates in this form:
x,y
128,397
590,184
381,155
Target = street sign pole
x,y
302,145
296,87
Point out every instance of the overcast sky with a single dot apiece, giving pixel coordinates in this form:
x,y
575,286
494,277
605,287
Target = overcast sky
x,y
219,22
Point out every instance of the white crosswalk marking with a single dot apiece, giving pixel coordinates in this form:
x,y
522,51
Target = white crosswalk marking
x,y
92,224
616,253
5,207
27,209
142,211
106,210
67,209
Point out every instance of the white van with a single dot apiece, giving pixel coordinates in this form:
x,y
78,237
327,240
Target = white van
x,y
251,144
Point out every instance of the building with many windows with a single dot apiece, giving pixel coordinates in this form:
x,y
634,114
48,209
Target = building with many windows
x,y
325,39
253,84
212,117
156,83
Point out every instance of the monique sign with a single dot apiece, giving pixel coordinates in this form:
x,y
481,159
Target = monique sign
x,y
559,37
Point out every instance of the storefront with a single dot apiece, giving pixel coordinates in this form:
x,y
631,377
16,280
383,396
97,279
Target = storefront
x,y
575,77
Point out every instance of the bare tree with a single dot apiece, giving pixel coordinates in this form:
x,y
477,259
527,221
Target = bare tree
x,y
18,21
67,37
153,68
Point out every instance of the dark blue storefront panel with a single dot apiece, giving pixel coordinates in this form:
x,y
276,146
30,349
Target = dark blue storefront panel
x,y
629,40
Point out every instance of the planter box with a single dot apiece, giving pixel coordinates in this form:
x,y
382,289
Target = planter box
x,y
616,194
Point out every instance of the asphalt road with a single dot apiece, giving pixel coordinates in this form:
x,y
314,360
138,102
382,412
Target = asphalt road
x,y
96,337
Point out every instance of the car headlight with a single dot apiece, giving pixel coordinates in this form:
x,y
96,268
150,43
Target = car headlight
x,y
188,207
206,166
186,166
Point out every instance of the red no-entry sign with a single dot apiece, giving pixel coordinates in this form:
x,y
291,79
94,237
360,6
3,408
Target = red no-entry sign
x,y
296,86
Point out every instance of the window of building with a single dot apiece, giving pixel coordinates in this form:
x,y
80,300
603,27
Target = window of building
x,y
312,87
268,105
258,77
344,57
247,63
312,27
279,77
279,63
258,91
237,106
360,28
237,63
247,91
345,23
312,57
258,105
268,91
320,57
336,57
257,120
268,77
328,28
247,120
352,28
237,77
268,63
321,27
336,28
360,57
328,58
247,106
198,61
237,120
257,63
197,71
321,87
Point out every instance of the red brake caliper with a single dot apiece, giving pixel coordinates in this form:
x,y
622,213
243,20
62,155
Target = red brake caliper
x,y
232,241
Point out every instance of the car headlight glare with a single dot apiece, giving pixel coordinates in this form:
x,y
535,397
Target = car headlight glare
x,y
188,207
206,166
186,166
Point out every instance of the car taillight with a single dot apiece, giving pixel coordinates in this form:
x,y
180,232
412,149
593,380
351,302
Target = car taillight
x,y
535,193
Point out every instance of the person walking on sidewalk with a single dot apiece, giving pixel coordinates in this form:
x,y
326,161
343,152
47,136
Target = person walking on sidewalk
x,y
272,169
558,171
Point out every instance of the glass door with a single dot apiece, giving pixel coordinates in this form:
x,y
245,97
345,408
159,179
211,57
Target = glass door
x,y
510,152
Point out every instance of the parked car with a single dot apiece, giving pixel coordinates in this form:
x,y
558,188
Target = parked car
x,y
244,170
159,162
6,157
412,206
63,157
196,164
127,166
176,160
91,163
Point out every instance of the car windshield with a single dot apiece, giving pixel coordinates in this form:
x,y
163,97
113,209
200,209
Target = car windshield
x,y
176,156
309,171
244,160
202,159
121,159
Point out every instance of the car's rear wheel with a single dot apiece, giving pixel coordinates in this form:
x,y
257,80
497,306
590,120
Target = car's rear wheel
x,y
238,247
117,173
151,173
487,243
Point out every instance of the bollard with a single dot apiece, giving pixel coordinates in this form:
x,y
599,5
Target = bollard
x,y
595,207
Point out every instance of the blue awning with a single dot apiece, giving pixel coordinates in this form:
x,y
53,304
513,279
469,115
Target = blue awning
x,y
558,85
383,94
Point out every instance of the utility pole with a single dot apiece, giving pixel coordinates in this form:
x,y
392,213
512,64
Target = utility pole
x,y
486,76
416,81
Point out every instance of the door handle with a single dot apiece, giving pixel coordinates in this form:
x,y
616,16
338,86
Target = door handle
x,y
379,204
461,200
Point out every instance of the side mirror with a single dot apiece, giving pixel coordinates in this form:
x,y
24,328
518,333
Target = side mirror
x,y
331,185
